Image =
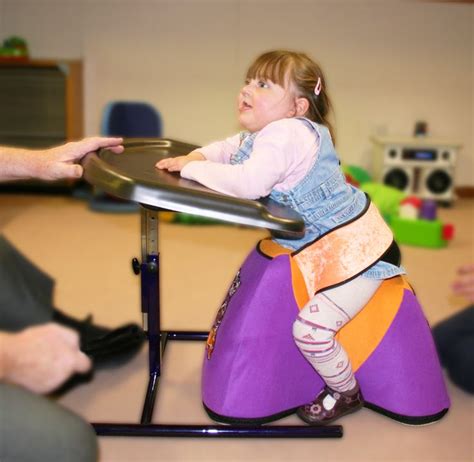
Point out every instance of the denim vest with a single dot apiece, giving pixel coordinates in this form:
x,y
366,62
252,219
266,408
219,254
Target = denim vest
x,y
323,198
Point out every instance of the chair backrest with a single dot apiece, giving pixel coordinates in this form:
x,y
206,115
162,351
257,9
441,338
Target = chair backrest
x,y
131,119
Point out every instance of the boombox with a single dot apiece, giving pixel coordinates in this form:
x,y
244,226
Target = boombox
x,y
423,167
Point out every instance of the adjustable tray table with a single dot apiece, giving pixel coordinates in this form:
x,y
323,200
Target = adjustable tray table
x,y
132,176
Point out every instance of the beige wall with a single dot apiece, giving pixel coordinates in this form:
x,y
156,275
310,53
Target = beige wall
x,y
388,62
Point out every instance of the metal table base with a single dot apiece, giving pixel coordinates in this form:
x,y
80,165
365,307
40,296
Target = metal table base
x,y
149,270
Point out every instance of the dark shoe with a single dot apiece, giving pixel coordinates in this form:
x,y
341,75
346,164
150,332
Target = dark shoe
x,y
116,347
106,347
85,328
113,349
315,413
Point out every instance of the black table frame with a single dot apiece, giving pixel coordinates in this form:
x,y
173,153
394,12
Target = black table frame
x,y
149,270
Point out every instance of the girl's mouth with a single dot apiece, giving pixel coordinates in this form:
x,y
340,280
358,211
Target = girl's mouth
x,y
245,106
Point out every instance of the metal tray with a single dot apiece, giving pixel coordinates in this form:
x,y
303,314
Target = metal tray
x,y
132,175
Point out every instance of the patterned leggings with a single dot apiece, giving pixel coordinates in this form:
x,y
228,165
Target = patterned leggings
x,y
318,322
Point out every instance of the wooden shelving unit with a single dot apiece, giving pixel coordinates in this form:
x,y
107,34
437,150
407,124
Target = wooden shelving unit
x,y
41,102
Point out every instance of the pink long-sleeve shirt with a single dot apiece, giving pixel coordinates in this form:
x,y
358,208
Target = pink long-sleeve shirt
x,y
283,153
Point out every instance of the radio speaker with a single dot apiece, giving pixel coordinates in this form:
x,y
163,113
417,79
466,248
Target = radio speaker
x,y
399,177
423,170
437,183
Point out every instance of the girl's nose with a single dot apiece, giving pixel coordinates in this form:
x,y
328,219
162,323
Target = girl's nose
x,y
246,90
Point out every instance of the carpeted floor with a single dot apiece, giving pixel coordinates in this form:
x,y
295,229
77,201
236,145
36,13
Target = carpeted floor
x,y
89,255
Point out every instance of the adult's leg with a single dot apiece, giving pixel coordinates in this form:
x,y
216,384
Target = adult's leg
x,y
26,297
26,292
454,338
34,428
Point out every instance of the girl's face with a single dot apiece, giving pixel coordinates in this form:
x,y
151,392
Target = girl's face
x,y
263,101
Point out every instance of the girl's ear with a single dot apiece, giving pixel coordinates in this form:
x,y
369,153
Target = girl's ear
x,y
302,106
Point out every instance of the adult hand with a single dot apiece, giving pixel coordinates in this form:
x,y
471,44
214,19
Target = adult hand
x,y
59,162
41,358
464,283
176,164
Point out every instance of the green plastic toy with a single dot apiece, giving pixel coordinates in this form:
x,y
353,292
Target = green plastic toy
x,y
188,219
422,233
356,175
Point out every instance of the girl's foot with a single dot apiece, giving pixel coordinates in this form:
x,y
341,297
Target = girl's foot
x,y
329,405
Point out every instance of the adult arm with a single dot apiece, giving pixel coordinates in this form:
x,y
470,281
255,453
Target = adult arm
x,y
54,163
41,358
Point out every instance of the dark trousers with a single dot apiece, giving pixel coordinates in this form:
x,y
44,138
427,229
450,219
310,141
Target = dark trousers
x,y
26,292
454,339
32,427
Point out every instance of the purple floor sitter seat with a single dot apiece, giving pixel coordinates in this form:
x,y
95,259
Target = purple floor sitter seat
x,y
255,375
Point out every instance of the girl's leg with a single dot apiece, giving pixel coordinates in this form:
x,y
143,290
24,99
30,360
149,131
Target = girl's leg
x,y
314,332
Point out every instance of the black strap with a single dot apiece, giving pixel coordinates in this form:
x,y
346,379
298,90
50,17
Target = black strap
x,y
392,255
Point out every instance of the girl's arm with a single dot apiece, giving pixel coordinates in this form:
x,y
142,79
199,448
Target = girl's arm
x,y
220,151
282,154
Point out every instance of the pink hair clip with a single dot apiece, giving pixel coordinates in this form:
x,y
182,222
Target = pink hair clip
x,y
318,87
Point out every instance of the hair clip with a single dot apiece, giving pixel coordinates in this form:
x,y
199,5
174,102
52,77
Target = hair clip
x,y
318,87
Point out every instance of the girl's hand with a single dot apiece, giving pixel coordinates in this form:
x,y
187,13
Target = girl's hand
x,y
464,283
173,164
176,164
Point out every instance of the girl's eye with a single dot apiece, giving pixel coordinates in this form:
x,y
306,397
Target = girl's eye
x,y
263,84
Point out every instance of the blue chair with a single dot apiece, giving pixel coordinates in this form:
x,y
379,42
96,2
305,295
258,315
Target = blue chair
x,y
129,119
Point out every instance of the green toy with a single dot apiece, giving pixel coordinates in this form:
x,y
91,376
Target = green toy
x,y
15,48
420,232
188,219
356,175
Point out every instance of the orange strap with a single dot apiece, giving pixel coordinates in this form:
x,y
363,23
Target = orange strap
x,y
340,254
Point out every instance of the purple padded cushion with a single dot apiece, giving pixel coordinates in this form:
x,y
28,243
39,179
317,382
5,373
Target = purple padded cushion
x,y
256,371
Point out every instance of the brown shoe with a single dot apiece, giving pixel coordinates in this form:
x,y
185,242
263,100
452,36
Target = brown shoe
x,y
315,413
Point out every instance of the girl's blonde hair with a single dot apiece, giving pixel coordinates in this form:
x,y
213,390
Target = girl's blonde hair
x,y
283,67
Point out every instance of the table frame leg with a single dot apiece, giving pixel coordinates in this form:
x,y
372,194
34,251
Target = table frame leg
x,y
157,342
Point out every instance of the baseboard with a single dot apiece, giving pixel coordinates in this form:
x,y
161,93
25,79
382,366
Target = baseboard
x,y
465,192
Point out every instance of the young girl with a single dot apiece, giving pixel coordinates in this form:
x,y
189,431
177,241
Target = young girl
x,y
286,151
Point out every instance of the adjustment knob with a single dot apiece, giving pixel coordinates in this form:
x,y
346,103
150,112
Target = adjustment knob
x,y
136,266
